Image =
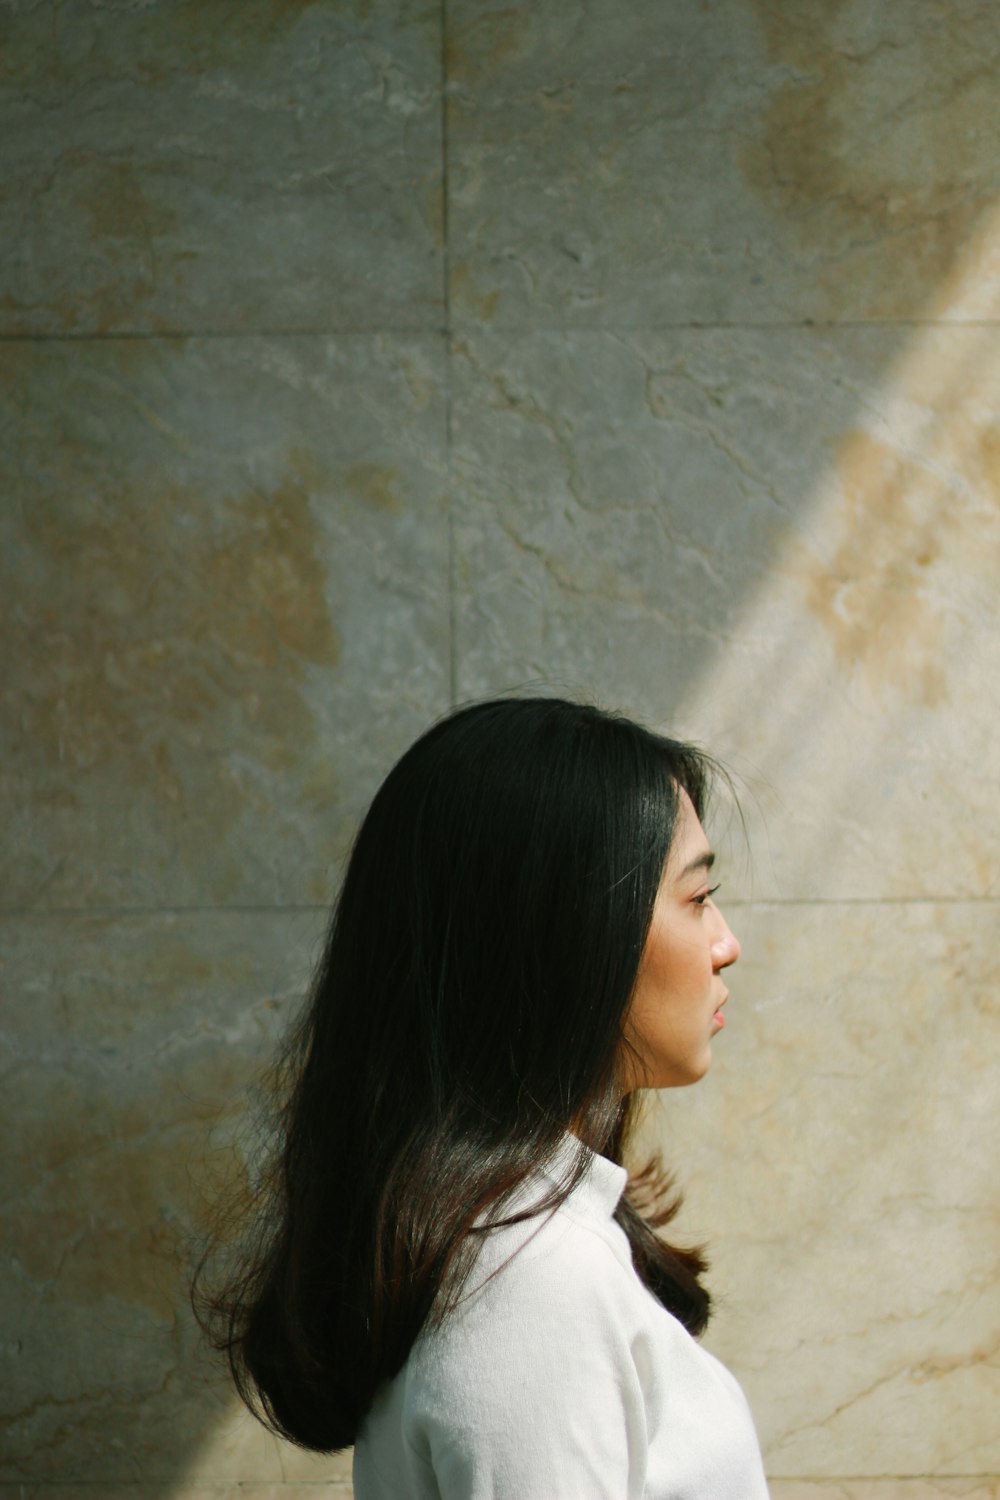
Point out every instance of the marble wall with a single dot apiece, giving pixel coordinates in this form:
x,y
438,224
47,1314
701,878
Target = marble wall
x,y
362,357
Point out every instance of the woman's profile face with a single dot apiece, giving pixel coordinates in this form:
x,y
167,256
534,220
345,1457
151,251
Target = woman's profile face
x,y
679,992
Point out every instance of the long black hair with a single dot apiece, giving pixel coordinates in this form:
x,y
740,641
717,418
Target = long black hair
x,y
470,1006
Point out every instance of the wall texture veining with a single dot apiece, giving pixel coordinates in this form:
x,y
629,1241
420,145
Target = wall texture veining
x,y
360,357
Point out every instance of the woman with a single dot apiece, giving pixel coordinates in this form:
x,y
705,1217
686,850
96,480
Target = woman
x,y
454,1272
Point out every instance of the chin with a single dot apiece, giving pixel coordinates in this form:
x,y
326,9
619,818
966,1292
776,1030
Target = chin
x,y
694,1071
682,1078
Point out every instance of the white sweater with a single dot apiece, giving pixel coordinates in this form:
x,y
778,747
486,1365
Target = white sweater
x,y
560,1377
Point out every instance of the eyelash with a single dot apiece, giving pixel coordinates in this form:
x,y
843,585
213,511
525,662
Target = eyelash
x,y
700,900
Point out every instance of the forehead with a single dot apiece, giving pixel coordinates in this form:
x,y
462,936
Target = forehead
x,y
690,841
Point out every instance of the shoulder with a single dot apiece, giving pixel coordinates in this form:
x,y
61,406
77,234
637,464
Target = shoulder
x,y
533,1378
554,1306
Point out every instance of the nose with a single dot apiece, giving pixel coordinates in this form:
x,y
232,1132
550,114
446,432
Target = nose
x,y
726,947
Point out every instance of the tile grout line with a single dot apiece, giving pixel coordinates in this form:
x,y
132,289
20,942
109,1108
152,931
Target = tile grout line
x,y
307,908
448,425
342,1488
373,330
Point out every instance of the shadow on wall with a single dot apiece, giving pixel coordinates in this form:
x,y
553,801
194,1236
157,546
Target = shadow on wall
x,y
140,1034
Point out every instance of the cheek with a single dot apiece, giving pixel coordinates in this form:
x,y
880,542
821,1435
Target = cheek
x,y
658,963
682,949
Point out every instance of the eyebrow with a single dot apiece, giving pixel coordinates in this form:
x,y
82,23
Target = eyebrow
x,y
702,862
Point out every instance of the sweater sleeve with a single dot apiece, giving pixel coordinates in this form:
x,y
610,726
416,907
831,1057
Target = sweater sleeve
x,y
532,1393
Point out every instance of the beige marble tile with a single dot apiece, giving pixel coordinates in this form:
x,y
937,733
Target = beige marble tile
x,y
131,1053
783,544
223,588
643,164
244,165
840,1160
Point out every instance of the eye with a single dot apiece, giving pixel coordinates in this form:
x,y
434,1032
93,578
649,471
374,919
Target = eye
x,y
704,896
